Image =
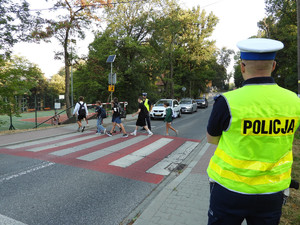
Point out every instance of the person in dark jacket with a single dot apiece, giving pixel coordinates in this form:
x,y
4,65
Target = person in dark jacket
x,y
100,128
169,119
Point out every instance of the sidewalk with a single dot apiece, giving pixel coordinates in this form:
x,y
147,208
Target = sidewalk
x,y
46,132
185,200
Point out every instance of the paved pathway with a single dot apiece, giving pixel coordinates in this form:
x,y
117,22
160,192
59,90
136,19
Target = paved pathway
x,y
185,200
21,136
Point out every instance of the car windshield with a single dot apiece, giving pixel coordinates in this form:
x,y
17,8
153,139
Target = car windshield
x,y
200,100
161,102
186,102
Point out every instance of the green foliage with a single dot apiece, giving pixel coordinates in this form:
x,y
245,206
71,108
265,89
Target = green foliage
x,y
281,24
57,84
15,22
17,77
237,74
154,42
74,18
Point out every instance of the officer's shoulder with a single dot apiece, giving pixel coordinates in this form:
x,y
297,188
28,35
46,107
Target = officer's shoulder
x,y
218,97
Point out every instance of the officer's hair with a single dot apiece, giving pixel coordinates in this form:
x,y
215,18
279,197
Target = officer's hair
x,y
81,98
259,66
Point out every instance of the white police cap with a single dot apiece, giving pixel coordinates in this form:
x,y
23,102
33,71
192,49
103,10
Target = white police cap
x,y
259,48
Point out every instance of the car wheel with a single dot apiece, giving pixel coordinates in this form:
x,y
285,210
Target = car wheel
x,y
179,114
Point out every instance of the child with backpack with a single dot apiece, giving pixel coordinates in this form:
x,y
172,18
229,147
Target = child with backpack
x,y
101,114
81,111
116,118
169,119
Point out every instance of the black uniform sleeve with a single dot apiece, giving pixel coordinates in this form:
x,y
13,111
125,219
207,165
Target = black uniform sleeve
x,y
219,118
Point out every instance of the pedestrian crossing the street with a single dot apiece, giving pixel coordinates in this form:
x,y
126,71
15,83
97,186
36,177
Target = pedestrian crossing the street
x,y
139,157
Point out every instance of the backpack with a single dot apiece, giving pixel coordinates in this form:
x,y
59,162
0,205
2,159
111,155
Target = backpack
x,y
81,111
122,112
103,113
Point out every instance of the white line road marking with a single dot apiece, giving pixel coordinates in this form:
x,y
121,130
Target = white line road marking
x,y
38,149
141,153
114,148
4,220
30,143
29,170
84,146
168,164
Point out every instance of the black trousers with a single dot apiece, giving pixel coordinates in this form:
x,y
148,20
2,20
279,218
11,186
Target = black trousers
x,y
148,121
231,208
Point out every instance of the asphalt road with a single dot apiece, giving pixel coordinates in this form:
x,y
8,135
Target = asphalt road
x,y
38,192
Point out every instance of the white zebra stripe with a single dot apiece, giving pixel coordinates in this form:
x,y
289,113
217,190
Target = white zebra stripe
x,y
169,163
114,148
42,141
41,148
141,153
85,146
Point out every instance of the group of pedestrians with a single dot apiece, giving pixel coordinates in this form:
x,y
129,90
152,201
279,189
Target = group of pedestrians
x,y
144,109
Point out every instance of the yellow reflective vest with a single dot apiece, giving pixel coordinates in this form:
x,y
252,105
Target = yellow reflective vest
x,y
254,154
146,104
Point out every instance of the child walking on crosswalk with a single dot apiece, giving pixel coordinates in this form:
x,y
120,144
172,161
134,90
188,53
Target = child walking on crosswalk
x,y
169,119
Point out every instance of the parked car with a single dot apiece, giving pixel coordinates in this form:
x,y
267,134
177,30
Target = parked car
x,y
188,106
202,102
159,111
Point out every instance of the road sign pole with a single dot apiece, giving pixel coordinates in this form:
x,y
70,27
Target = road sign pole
x,y
111,74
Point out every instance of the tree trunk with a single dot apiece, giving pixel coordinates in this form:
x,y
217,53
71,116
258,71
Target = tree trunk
x,y
67,79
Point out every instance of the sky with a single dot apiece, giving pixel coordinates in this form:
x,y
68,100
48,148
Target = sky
x,y
237,21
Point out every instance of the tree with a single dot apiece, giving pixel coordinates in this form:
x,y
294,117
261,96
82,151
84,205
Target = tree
x,y
237,74
281,24
181,42
57,84
224,59
15,22
17,77
77,17
153,40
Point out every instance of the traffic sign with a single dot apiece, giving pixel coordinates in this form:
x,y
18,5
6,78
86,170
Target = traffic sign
x,y
111,88
112,79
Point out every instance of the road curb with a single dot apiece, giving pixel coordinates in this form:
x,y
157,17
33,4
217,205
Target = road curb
x,y
149,206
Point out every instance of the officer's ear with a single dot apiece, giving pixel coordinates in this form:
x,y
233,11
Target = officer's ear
x,y
243,65
274,66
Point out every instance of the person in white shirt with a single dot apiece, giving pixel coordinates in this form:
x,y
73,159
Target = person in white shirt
x,y
81,111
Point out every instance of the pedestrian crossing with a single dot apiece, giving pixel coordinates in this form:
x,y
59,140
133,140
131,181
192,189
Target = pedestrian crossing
x,y
139,157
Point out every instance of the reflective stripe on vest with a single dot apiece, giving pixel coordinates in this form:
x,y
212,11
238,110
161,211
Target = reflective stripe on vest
x,y
255,154
147,104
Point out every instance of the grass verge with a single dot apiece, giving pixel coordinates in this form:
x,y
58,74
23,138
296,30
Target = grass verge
x,y
291,211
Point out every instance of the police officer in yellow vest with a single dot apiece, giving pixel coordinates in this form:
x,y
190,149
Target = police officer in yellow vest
x,y
253,128
148,106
